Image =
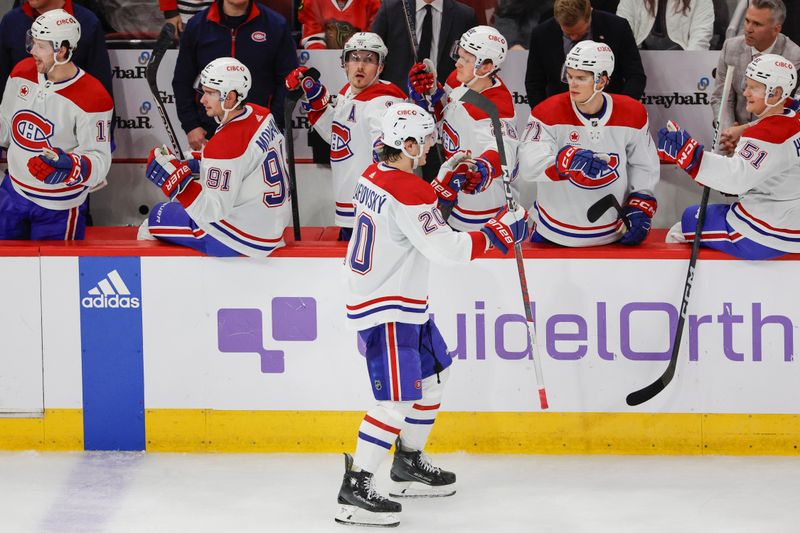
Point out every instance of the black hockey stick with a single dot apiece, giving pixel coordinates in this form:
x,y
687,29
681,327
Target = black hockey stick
x,y
601,206
488,107
165,41
292,97
642,395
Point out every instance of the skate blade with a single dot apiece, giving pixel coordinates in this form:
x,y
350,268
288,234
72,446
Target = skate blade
x,y
414,489
351,515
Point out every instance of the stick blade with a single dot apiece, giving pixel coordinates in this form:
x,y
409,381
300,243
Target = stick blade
x,y
648,393
599,208
166,38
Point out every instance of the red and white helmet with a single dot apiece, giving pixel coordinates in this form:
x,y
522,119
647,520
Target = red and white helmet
x,y
486,44
227,74
365,40
591,56
406,121
773,71
57,27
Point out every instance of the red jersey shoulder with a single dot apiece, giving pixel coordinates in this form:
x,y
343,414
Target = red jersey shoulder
x,y
556,111
774,129
233,139
382,88
627,112
26,69
452,80
88,94
500,96
404,187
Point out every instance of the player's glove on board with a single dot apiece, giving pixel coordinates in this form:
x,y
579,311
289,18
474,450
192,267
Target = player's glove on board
x,y
507,228
677,146
59,166
168,172
315,93
582,167
638,211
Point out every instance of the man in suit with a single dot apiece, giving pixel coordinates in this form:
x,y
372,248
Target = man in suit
x,y
762,35
449,19
574,21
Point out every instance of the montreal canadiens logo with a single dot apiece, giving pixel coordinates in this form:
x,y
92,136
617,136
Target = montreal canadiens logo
x,y
259,36
340,142
450,139
605,178
31,131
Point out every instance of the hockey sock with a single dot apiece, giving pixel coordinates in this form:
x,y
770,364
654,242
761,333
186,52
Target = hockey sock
x,y
419,421
377,433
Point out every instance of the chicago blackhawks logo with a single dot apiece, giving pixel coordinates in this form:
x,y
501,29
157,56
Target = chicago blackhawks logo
x,y
450,139
340,142
31,131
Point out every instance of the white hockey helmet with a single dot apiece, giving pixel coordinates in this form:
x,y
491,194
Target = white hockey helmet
x,y
368,41
227,74
773,71
591,56
486,44
406,121
57,27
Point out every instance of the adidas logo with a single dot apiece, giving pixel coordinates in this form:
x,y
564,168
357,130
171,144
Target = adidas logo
x,y
110,293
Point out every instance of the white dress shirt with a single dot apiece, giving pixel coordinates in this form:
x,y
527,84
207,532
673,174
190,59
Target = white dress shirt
x,y
436,13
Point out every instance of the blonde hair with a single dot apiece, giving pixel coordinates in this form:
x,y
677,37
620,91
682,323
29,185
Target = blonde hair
x,y
570,12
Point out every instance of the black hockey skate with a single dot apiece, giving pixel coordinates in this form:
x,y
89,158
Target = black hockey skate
x,y
416,477
359,502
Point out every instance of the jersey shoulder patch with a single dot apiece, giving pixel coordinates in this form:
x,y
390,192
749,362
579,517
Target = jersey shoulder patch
x,y
382,88
88,94
774,129
26,69
404,187
556,111
627,112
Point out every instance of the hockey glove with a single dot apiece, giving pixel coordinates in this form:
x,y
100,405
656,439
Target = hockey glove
x,y
676,145
451,178
507,228
581,167
423,88
168,172
638,211
57,166
315,93
479,176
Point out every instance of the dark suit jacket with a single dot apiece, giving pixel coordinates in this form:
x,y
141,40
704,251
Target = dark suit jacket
x,y
546,57
391,26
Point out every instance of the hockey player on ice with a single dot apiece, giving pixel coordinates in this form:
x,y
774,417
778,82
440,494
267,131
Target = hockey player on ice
x,y
764,221
350,122
561,148
235,200
463,127
398,232
55,120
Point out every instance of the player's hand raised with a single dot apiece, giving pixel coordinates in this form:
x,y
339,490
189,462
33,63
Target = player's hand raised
x,y
168,172
57,166
507,228
423,88
582,167
315,93
676,145
638,211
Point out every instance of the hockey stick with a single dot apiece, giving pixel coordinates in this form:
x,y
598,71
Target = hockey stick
x,y
648,392
488,107
411,26
164,42
599,208
290,102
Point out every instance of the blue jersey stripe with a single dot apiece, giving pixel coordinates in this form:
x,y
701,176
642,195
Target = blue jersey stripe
x,y
385,307
418,421
239,240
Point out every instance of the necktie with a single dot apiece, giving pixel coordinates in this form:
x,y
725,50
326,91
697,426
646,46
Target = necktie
x,y
427,34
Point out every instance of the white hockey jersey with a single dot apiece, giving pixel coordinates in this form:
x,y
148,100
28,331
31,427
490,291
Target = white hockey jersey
x,y
398,231
74,115
765,173
352,126
465,127
621,131
242,197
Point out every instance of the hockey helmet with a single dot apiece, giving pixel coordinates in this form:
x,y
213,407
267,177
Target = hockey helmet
x,y
591,56
773,71
56,26
485,43
403,121
368,41
227,74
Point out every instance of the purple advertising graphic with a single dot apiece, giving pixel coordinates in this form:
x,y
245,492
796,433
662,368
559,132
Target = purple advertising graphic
x,y
241,330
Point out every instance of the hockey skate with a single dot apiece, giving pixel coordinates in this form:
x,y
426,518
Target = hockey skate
x,y
415,477
359,502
